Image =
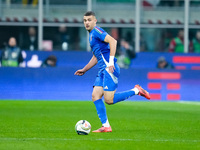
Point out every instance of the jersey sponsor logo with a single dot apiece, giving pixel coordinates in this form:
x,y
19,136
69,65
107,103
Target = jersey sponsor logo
x,y
98,30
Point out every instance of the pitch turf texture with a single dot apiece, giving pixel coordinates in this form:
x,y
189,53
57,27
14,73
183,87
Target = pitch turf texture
x,y
49,125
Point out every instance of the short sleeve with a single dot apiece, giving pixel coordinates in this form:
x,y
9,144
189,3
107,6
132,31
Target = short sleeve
x,y
100,33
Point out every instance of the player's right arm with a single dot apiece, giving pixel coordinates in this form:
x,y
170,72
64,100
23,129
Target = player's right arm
x,y
92,63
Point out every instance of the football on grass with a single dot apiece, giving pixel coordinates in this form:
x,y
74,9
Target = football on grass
x,y
83,127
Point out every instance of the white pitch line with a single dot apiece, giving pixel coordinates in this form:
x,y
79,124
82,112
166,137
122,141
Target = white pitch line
x,y
65,139
189,102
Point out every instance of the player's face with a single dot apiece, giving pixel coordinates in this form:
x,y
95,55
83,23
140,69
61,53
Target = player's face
x,y
89,22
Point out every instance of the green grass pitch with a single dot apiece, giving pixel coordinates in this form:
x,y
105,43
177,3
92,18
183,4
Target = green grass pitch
x,y
49,125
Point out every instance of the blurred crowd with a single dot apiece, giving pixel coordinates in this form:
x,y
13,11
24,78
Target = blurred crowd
x,y
148,3
69,38
168,3
170,41
13,56
14,40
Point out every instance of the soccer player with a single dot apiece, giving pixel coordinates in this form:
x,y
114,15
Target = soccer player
x,y
104,48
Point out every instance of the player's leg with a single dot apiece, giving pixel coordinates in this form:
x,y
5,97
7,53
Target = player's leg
x,y
110,85
111,97
97,93
101,109
108,97
99,104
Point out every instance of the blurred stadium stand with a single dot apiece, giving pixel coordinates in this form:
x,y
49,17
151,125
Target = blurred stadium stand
x,y
158,22
59,83
73,13
143,60
157,19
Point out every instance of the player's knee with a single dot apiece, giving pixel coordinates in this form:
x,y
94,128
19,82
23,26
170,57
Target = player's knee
x,y
95,97
108,97
97,93
108,101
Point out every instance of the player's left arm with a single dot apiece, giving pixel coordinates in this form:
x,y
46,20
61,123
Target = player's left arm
x,y
113,45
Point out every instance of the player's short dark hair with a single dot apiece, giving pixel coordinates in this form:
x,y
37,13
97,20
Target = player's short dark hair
x,y
89,13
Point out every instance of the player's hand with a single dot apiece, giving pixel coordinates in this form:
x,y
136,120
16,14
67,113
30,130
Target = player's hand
x,y
111,68
110,65
79,72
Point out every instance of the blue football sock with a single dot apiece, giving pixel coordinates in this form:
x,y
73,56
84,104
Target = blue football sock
x,y
118,97
101,110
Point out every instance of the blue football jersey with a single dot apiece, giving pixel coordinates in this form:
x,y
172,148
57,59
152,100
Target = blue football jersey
x,y
100,49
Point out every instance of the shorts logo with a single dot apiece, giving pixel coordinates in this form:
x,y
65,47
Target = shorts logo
x,y
105,87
